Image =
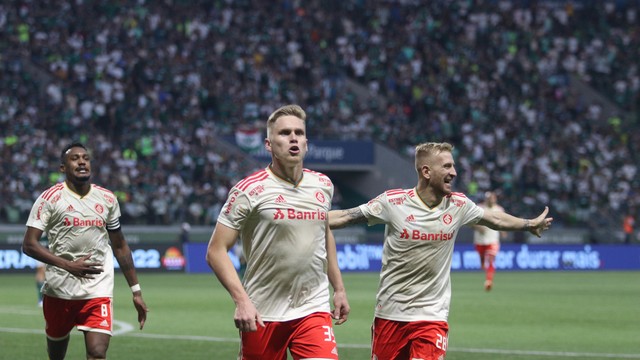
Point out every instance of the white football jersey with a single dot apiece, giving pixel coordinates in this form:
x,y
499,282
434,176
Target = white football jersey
x,y
282,228
415,281
77,226
488,236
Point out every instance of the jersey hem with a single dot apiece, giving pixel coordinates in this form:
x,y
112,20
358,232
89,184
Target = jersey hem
x,y
88,297
296,317
407,319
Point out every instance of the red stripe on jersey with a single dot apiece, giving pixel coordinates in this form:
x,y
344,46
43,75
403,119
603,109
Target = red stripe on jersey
x,y
52,190
244,184
249,183
102,189
250,177
49,190
314,172
459,194
395,192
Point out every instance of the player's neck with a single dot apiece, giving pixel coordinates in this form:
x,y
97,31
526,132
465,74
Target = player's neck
x,y
80,188
292,174
428,197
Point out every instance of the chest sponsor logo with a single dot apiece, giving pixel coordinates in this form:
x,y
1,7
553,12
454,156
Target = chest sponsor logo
x,y
419,235
83,222
293,214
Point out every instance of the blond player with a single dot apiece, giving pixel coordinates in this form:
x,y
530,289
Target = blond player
x,y
487,240
80,220
280,214
414,293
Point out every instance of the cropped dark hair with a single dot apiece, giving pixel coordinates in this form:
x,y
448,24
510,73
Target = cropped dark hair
x,y
69,147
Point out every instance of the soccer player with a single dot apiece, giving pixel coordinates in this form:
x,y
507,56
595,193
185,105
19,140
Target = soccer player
x,y
280,214
487,240
80,219
422,223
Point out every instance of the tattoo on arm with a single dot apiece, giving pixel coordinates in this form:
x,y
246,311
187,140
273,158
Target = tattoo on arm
x,y
355,216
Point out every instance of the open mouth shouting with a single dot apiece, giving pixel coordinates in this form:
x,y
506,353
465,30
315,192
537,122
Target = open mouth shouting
x,y
294,150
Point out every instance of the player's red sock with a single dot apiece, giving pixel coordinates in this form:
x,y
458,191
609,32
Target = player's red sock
x,y
490,271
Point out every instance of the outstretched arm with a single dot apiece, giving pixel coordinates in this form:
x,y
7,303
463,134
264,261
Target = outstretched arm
x,y
499,220
341,218
246,316
341,305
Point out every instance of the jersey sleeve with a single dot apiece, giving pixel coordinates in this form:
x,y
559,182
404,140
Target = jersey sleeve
x,y
376,210
473,213
113,220
40,214
235,210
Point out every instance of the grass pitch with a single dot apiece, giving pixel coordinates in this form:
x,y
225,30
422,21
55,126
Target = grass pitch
x,y
528,316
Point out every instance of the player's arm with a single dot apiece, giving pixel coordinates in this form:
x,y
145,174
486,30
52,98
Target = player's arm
x,y
122,253
246,316
341,304
80,267
500,221
480,229
341,218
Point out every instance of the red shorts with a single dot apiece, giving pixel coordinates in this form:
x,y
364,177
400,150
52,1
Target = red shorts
x,y
491,249
393,340
62,315
307,337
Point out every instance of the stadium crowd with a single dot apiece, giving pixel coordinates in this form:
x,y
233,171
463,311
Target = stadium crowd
x,y
151,86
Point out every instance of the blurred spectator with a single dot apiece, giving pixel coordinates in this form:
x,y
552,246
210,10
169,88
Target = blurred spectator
x,y
627,227
157,84
185,229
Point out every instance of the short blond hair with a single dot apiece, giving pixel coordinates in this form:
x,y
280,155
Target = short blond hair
x,y
287,110
429,149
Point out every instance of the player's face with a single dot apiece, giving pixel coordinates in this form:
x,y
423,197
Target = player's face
x,y
77,165
442,171
287,141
